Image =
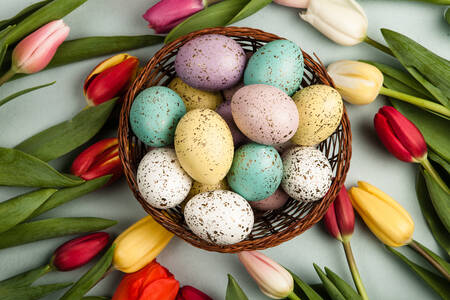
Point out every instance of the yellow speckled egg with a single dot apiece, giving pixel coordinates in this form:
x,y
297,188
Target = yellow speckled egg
x,y
198,188
194,98
320,111
204,145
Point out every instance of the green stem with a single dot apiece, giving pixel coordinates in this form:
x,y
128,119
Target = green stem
x,y
413,245
293,296
7,76
354,269
379,46
416,101
427,166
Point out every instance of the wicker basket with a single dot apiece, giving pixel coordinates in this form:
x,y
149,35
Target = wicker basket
x,y
270,228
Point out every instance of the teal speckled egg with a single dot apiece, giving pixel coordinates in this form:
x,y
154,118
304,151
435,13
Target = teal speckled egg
x,y
155,114
256,171
278,63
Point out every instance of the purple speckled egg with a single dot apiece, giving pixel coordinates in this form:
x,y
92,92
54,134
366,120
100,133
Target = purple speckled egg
x,y
265,114
211,62
274,201
224,110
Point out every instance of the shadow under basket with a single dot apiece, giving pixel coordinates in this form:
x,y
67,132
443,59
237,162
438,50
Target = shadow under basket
x,y
271,228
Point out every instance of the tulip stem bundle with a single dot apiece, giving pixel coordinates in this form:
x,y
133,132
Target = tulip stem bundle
x,y
293,296
7,76
413,245
430,169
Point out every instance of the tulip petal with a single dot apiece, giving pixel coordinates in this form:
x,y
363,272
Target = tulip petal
x,y
331,224
344,213
90,155
106,64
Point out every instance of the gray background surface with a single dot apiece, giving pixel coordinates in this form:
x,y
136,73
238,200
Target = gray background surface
x,y
384,276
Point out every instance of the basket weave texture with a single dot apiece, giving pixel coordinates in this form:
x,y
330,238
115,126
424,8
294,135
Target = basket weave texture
x,y
271,228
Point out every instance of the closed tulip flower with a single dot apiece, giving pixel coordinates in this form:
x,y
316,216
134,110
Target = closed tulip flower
x,y
139,245
188,292
110,78
293,3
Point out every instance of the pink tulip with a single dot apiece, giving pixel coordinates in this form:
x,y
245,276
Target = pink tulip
x,y
293,3
35,51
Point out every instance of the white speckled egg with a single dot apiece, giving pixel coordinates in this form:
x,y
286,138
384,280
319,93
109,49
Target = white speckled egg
x,y
219,217
307,174
161,180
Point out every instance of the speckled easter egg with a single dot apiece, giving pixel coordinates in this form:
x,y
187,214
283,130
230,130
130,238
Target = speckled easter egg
x,y
210,62
161,180
320,111
198,188
219,217
265,114
274,201
228,93
224,110
307,174
204,145
278,63
194,98
154,115
256,171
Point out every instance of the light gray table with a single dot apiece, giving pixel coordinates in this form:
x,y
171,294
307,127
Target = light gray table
x,y
384,276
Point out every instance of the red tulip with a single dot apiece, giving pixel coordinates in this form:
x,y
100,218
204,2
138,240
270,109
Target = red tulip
x,y
399,135
153,282
100,159
340,218
78,252
188,292
110,78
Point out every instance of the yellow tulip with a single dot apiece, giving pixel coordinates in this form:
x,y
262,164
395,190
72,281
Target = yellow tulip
x,y
139,245
386,218
357,82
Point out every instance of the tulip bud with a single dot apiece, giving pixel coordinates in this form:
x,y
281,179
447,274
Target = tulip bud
x,y
100,159
399,135
357,82
273,280
340,218
386,218
293,3
35,51
153,282
139,245
342,21
191,293
110,78
78,252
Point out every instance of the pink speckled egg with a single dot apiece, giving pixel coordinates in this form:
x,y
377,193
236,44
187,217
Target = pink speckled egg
x,y
211,62
265,114
275,201
224,110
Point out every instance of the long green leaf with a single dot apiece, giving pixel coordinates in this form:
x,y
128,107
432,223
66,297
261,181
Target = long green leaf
x,y
447,15
23,14
21,169
318,288
66,136
444,264
68,194
306,289
15,210
252,7
26,278
439,160
431,70
25,91
88,280
436,282
50,228
54,10
3,45
332,290
95,298
214,16
439,198
438,230
234,291
32,293
346,290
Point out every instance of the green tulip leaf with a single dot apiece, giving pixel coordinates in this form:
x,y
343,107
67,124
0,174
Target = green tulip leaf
x,y
444,264
319,289
431,70
439,198
332,290
22,92
439,160
95,298
50,228
21,169
32,293
447,14
252,7
437,283
15,210
346,290
438,230
69,135
234,291
20,16
305,288
68,194
88,280
3,45
26,278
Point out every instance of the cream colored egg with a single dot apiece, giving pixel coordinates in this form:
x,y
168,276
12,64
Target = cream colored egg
x,y
204,145
194,98
320,111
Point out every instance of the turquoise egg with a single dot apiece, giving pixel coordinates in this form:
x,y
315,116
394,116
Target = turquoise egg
x,y
154,115
256,171
278,63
